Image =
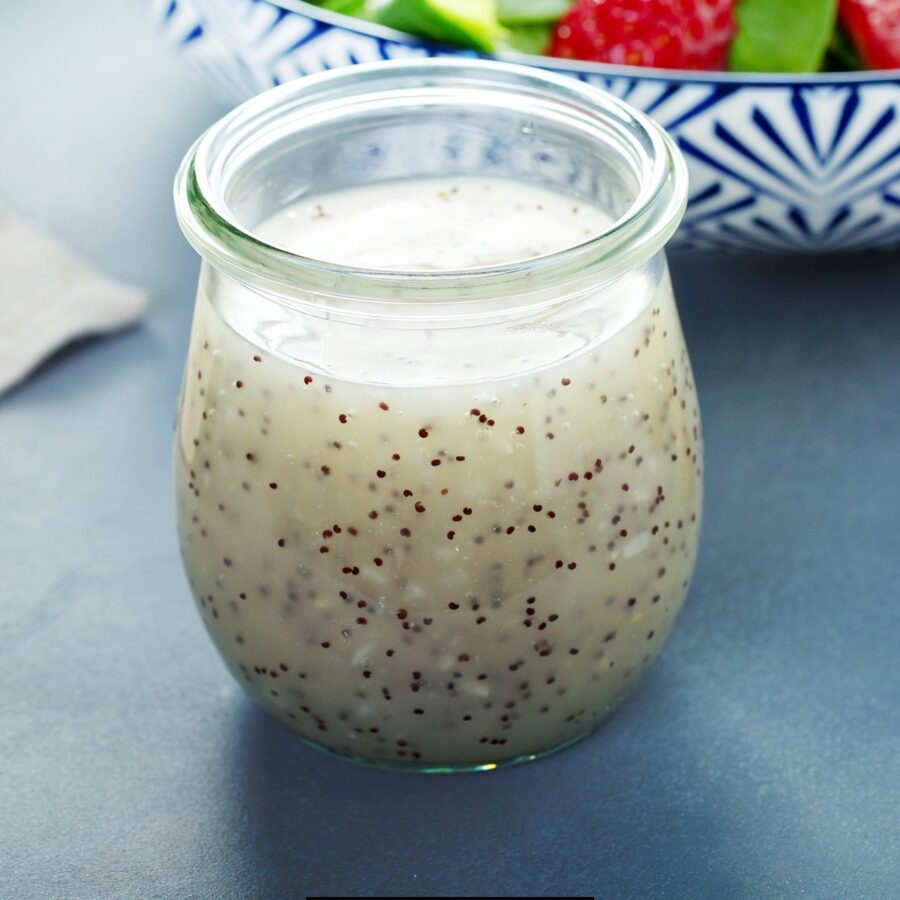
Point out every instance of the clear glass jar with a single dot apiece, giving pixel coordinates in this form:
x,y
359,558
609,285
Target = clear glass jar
x,y
437,520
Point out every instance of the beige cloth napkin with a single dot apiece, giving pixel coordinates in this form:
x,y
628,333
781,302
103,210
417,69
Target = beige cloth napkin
x,y
49,297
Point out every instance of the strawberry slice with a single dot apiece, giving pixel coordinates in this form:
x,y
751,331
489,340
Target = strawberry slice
x,y
667,34
874,28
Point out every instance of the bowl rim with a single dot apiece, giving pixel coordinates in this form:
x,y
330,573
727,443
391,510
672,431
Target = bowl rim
x,y
586,67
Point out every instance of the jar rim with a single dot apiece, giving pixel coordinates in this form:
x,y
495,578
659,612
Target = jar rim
x,y
637,234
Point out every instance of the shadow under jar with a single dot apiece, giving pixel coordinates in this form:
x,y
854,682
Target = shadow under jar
x,y
438,456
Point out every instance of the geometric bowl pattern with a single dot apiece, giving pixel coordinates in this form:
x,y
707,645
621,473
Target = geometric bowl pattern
x,y
783,163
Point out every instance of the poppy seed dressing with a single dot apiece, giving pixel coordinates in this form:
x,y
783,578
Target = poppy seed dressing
x,y
410,557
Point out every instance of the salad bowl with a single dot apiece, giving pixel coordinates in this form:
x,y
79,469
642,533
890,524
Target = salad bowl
x,y
777,162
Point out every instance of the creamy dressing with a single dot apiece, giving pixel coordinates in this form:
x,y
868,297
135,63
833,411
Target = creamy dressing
x,y
447,575
433,225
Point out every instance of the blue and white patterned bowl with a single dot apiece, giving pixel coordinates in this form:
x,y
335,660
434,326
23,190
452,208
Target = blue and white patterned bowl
x,y
802,163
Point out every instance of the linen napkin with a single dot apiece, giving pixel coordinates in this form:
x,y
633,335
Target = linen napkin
x,y
49,297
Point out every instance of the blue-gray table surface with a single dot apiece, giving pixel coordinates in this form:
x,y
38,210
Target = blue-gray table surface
x,y
759,758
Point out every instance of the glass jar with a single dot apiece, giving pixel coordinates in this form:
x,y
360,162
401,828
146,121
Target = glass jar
x,y
439,520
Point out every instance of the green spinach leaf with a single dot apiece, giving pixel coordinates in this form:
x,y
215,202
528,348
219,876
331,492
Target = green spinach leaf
x,y
782,35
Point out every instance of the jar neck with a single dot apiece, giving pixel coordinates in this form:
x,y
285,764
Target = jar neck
x,y
585,134
393,347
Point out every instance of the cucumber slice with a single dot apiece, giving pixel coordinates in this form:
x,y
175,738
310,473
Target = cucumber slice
x,y
356,8
470,23
527,12
531,39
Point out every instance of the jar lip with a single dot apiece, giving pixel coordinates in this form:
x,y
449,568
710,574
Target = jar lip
x,y
641,231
